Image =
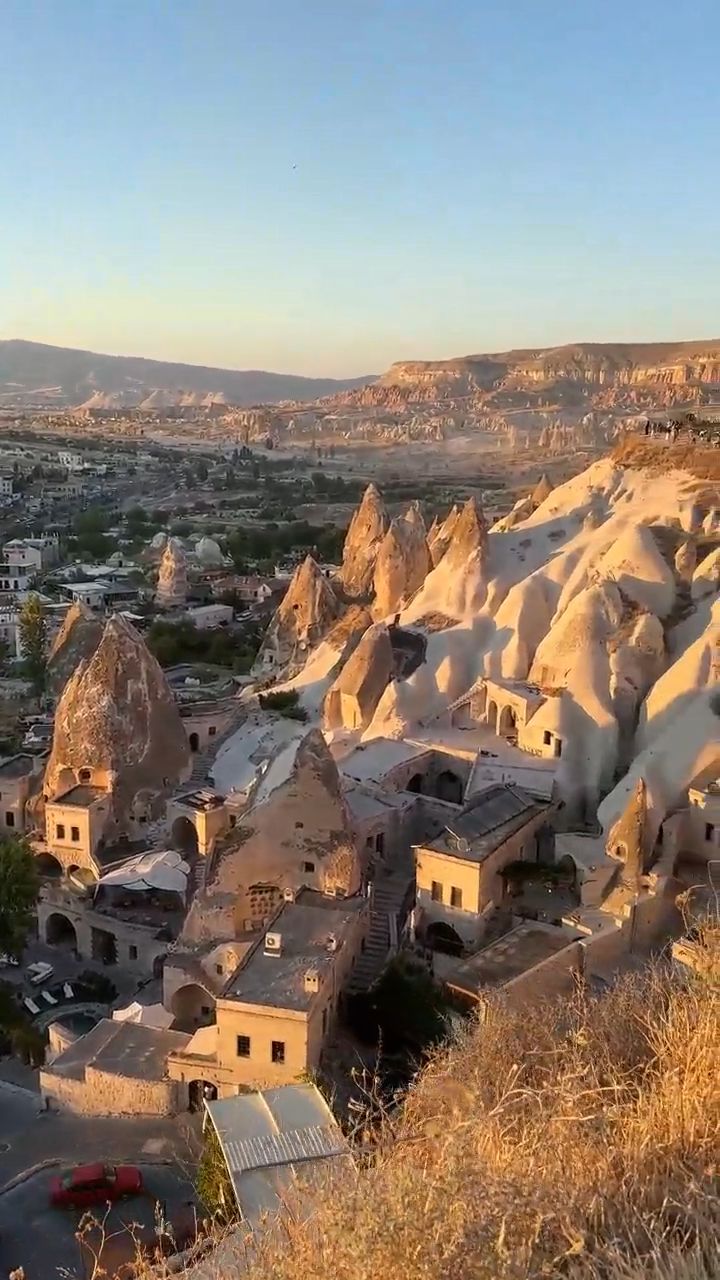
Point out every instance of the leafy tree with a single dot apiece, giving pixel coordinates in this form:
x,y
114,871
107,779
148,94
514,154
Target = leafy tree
x,y
213,1180
404,1010
32,625
19,888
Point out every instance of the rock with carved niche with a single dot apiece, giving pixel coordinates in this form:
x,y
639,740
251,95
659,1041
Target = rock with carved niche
x,y
118,725
172,585
365,534
298,834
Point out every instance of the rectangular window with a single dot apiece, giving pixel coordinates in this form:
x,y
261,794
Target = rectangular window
x,y
455,896
132,952
75,834
436,891
709,831
212,731
60,831
9,818
278,1050
547,737
218,970
308,867
243,1046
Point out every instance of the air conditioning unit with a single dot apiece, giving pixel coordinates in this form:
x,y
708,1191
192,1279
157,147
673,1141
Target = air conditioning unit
x,y
273,944
332,943
312,981
288,893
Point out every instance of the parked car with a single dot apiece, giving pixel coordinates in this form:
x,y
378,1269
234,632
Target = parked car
x,y
6,960
89,1184
39,972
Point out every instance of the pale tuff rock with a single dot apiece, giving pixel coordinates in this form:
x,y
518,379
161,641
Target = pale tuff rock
x,y
208,552
637,659
693,671
706,578
118,720
686,560
303,823
522,510
351,701
172,585
635,563
469,536
76,640
542,490
402,565
306,612
586,625
440,539
628,839
362,543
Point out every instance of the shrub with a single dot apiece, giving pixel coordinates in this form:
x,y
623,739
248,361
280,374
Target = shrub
x,y
286,702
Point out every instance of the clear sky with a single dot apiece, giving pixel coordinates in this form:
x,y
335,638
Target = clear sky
x,y
325,186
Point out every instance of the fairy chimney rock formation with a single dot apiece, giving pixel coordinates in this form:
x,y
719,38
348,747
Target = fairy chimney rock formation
x,y
172,585
628,839
299,834
77,639
117,727
351,701
542,490
306,612
469,535
686,560
439,537
362,543
402,565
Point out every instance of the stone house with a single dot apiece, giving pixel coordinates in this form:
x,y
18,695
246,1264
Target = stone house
x,y
273,1015
458,874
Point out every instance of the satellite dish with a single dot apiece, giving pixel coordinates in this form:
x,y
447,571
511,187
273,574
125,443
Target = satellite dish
x,y
462,844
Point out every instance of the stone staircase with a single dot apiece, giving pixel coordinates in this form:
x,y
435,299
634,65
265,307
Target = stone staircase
x,y
392,897
202,760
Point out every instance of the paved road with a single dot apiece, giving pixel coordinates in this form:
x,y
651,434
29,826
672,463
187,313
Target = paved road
x,y
32,1137
43,1241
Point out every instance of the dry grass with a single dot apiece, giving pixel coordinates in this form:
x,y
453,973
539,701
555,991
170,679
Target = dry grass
x,y
660,458
573,1139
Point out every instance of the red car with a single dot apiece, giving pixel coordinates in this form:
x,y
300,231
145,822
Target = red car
x,y
95,1184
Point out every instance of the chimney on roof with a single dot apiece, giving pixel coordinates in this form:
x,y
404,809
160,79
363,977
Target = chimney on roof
x,y
273,944
312,981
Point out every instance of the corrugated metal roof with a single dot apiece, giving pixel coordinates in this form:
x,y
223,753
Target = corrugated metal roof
x,y
315,1142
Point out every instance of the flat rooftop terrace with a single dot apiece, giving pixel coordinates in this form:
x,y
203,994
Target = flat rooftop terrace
x,y
81,796
510,956
491,818
305,926
17,767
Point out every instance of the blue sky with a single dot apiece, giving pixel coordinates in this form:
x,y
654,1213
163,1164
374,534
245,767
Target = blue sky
x,y
325,186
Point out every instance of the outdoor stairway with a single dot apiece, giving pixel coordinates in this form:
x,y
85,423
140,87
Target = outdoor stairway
x,y
202,760
391,896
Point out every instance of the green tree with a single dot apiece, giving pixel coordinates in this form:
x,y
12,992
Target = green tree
x,y
32,624
213,1180
19,888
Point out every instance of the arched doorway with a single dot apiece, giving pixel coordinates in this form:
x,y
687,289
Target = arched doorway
x,y
48,867
415,783
200,1091
184,836
491,715
442,937
194,741
449,787
104,946
192,1007
60,932
507,724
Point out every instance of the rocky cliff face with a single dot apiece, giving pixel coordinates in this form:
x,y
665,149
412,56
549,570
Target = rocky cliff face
x,y
117,726
402,565
172,586
583,368
307,611
300,834
364,536
77,640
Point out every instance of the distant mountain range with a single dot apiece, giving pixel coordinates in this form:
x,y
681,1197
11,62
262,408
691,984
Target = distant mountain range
x,y
32,373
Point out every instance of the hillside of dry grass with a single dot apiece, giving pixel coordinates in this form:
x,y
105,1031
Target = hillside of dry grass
x,y
659,458
569,1139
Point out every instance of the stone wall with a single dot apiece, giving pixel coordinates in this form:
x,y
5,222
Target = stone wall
x,y
101,1094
